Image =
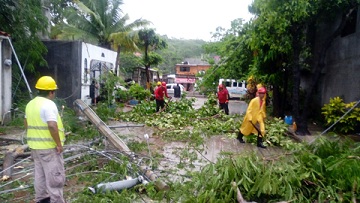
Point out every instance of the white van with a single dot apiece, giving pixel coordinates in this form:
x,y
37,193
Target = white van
x,y
170,88
236,89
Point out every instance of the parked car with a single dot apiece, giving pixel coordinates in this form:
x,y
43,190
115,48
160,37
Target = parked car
x,y
170,88
120,87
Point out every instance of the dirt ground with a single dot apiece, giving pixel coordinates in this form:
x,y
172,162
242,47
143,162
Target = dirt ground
x,y
14,137
213,147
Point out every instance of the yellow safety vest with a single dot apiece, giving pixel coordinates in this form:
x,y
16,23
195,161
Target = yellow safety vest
x,y
38,134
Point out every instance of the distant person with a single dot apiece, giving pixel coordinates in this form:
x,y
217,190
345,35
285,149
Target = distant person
x,y
255,115
97,92
223,98
177,91
160,92
45,137
94,91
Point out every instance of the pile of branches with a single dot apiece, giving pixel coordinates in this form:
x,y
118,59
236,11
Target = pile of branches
x,y
326,171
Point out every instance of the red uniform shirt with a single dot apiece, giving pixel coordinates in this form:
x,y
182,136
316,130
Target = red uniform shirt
x,y
222,95
160,91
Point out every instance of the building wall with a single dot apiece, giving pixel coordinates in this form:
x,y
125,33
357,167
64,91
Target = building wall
x,y
64,65
341,74
188,78
193,69
139,76
71,63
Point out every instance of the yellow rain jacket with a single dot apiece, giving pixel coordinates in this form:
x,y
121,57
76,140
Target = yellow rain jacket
x,y
256,114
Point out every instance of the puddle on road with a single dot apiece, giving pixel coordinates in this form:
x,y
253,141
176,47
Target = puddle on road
x,y
178,168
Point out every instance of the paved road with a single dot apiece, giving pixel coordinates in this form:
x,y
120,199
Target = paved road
x,y
235,105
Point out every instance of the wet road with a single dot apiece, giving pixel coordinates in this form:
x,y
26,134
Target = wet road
x,y
235,105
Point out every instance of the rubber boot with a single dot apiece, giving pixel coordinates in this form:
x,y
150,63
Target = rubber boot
x,y
240,137
260,142
46,200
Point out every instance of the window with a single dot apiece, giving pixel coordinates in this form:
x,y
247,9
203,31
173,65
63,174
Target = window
x,y
234,84
227,84
184,69
97,68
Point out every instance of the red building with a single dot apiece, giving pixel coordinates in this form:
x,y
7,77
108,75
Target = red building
x,y
185,74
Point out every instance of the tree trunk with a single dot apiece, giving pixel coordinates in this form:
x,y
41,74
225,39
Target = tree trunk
x,y
296,43
285,99
117,63
276,101
147,68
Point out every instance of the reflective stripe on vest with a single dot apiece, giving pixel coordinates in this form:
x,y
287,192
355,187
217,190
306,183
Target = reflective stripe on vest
x,y
38,134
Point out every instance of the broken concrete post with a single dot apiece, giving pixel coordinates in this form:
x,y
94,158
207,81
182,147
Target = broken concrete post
x,y
118,185
116,141
160,185
9,160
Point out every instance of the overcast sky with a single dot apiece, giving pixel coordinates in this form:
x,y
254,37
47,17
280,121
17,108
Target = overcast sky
x,y
187,19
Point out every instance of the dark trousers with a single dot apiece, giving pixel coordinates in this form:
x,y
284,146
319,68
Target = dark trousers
x,y
225,107
159,103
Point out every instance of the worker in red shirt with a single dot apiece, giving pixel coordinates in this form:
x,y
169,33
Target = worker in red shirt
x,y
160,92
223,97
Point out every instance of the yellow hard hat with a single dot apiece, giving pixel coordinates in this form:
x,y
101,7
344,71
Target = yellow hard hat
x,y
46,83
158,83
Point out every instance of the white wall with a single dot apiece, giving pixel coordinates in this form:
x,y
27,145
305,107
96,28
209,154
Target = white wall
x,y
91,52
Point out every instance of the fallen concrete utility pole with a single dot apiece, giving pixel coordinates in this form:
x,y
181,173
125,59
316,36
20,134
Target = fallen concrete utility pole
x,y
153,177
118,185
9,160
125,126
102,127
117,142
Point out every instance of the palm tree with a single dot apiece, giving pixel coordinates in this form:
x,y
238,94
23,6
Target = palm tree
x,y
101,22
150,41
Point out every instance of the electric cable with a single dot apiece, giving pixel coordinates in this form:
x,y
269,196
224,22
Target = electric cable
x,y
347,112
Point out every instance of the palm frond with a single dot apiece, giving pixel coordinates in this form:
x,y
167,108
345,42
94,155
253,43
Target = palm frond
x,y
96,17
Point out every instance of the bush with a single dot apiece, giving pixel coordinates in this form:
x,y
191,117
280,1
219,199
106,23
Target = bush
x,y
335,110
138,92
122,95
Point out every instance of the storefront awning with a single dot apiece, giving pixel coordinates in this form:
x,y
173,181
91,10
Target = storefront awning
x,y
185,80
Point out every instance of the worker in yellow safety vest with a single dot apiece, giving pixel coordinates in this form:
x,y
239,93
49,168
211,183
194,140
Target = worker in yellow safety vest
x,y
45,137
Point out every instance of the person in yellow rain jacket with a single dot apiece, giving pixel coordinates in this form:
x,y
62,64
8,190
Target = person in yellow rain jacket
x,y
255,114
45,137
